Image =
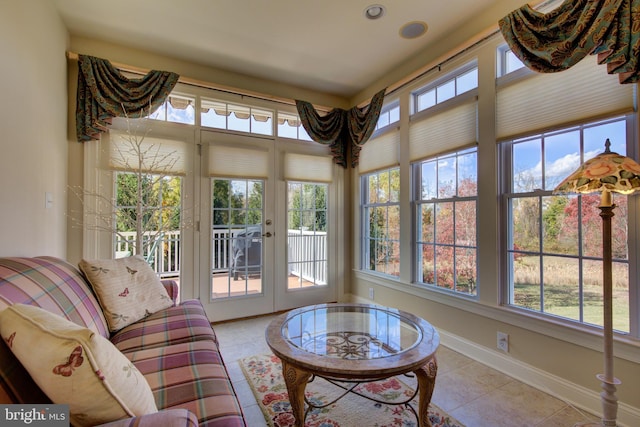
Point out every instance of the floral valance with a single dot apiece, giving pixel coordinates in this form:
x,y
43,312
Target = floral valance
x,y
344,130
558,40
104,93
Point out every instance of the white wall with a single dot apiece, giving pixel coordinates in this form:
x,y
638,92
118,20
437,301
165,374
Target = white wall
x,y
33,121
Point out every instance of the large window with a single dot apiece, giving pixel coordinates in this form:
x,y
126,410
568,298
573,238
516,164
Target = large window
x,y
555,241
381,221
446,206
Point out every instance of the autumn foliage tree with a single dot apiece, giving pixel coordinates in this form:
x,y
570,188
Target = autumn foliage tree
x,y
587,215
449,253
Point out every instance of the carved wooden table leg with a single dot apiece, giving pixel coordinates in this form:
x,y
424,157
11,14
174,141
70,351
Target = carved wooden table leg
x,y
296,381
426,377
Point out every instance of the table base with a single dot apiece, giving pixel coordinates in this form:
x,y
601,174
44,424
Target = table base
x,y
296,380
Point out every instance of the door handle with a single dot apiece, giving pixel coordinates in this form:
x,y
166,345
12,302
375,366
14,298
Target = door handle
x,y
267,234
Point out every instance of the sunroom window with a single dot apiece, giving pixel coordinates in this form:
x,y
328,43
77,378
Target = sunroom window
x,y
176,109
555,241
290,126
236,117
381,221
389,115
461,81
446,207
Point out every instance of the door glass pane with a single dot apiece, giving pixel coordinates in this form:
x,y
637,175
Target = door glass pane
x,y
237,213
306,235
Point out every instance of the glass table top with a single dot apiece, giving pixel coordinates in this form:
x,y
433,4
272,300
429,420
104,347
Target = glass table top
x,y
351,332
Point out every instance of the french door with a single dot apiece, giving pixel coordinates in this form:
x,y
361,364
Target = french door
x,y
264,238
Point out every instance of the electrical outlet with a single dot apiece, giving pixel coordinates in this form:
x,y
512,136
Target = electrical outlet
x,y
503,342
371,294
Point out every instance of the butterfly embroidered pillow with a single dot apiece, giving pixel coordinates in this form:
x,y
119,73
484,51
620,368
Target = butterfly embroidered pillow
x,y
127,288
72,365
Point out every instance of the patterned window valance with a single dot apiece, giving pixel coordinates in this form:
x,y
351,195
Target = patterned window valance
x,y
104,93
558,40
344,130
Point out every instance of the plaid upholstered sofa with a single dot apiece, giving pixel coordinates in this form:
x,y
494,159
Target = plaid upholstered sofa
x,y
174,349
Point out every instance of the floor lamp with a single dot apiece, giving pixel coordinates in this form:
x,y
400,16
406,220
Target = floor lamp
x,y
607,172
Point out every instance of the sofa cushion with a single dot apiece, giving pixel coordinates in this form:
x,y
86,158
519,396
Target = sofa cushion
x,y
54,285
191,376
128,289
182,323
75,366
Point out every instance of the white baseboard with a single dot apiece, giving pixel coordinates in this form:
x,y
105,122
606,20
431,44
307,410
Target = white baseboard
x,y
571,393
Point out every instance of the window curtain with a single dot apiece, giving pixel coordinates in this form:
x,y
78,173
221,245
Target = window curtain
x,y
558,40
344,130
104,93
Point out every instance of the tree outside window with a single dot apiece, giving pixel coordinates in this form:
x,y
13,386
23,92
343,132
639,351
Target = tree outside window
x,y
555,242
381,216
446,206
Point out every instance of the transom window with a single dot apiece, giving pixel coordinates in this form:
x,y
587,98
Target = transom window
x,y
176,109
462,81
508,62
389,115
446,205
290,126
554,244
237,117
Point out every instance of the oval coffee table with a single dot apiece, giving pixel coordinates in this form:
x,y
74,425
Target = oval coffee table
x,y
353,343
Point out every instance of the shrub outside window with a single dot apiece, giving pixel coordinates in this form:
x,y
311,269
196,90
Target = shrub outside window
x,y
381,221
446,205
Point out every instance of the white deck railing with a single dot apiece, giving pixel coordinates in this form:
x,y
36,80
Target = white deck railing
x,y
304,247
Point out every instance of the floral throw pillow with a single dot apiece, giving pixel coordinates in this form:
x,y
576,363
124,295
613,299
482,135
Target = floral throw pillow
x,y
73,365
127,288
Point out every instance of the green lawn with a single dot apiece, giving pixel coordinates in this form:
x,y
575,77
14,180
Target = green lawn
x,y
561,292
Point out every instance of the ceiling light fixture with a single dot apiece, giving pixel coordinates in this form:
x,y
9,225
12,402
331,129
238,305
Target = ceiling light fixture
x,y
375,11
412,30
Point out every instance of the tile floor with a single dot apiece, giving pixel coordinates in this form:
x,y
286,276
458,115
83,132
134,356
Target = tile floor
x,y
476,395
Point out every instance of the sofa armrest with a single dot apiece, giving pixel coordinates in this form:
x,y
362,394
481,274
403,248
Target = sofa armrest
x,y
164,418
172,289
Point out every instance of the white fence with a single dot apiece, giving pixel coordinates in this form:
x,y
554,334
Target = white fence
x,y
163,254
307,252
307,255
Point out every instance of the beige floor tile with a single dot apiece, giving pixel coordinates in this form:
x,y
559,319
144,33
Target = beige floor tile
x,y
514,404
569,416
461,386
449,360
244,392
254,416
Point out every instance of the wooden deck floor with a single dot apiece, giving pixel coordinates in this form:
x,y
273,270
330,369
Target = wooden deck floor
x,y
223,285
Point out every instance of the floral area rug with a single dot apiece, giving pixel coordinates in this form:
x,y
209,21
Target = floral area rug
x,y
264,374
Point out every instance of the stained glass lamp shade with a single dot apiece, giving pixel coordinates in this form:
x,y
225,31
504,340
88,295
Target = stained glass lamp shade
x,y
607,172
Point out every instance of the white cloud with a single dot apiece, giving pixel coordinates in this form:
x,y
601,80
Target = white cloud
x,y
563,166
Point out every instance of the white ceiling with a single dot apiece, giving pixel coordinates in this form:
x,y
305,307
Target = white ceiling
x,y
322,45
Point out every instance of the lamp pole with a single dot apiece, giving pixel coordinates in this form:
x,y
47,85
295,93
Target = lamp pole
x,y
609,382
